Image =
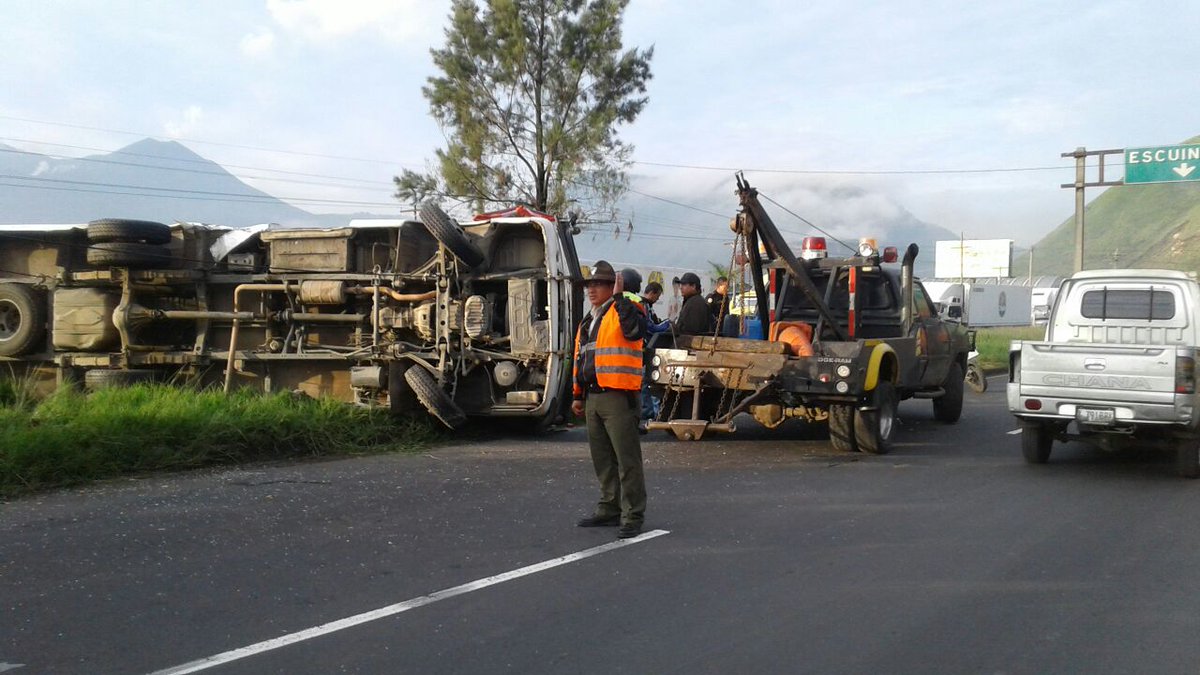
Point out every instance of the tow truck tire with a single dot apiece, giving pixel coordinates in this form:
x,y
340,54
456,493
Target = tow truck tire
x,y
119,229
436,401
1036,441
22,319
841,428
445,230
873,428
948,407
1187,458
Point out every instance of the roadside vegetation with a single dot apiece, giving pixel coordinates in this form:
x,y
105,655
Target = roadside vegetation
x,y
992,343
70,438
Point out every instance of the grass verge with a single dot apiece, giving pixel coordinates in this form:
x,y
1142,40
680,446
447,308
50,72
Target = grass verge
x,y
992,343
71,438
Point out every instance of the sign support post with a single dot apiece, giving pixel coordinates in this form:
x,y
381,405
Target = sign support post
x,y
1081,154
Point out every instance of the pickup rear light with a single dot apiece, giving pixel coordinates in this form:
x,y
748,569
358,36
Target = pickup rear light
x,y
1033,404
1185,375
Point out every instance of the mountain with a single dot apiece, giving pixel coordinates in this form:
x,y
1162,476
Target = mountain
x,y
1155,225
151,180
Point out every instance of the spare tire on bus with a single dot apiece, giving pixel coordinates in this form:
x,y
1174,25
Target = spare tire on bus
x,y
123,230
434,398
128,254
22,319
103,378
446,231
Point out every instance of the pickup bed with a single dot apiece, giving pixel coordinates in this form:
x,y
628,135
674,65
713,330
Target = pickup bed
x,y
1117,367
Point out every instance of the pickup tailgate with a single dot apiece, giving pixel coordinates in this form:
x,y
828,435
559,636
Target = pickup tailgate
x,y
1098,372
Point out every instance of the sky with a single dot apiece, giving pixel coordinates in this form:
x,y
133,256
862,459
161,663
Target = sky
x,y
957,111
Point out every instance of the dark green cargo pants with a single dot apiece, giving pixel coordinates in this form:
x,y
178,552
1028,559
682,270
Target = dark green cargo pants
x,y
612,426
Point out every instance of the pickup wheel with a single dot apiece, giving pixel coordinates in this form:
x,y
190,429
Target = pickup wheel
x,y
841,428
450,234
1187,458
873,428
948,407
22,319
1036,439
434,398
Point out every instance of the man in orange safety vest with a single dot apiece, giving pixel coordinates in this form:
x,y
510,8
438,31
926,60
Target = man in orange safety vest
x,y
608,383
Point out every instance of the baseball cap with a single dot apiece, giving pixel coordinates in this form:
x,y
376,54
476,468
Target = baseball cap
x,y
688,278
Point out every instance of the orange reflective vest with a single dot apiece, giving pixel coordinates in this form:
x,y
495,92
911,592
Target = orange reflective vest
x,y
618,359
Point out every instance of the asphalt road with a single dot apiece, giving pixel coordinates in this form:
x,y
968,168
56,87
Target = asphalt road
x,y
948,555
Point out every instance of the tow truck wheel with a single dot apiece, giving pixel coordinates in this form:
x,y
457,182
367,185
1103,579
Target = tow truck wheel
x,y
873,428
948,407
1187,458
1036,440
841,428
450,234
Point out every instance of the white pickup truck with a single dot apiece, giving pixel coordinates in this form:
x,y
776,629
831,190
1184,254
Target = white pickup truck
x,y
1118,365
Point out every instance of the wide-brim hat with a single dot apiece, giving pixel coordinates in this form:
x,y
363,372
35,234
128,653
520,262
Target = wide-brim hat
x,y
602,271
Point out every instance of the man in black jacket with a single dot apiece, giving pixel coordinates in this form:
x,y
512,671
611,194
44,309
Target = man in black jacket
x,y
694,317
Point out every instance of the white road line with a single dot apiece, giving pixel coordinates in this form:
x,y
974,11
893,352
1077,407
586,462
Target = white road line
x,y
1014,432
10,666
390,610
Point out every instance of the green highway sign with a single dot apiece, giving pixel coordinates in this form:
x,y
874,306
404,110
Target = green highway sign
x,y
1168,164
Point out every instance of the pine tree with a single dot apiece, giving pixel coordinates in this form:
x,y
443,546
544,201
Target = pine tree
x,y
530,96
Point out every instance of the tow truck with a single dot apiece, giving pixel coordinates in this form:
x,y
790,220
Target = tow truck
x,y
846,339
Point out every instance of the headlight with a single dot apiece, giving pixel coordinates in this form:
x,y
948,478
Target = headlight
x,y
654,374
843,371
656,361
842,387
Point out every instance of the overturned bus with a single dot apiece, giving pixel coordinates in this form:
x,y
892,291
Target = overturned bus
x,y
459,320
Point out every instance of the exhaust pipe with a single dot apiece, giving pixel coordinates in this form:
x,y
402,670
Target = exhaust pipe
x,y
906,287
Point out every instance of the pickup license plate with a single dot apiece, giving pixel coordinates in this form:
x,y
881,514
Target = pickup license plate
x,y
1096,415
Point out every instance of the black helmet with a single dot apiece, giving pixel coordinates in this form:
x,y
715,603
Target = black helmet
x,y
632,280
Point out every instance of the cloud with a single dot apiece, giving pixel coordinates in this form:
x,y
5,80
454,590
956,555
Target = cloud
x,y
186,125
1025,116
331,20
258,44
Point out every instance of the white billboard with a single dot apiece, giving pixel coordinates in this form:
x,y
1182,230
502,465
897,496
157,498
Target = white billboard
x,y
973,258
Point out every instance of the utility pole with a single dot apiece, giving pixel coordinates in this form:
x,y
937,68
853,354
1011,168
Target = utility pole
x,y
1030,265
1081,154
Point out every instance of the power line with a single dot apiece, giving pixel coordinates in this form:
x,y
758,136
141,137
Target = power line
x,y
857,172
850,172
